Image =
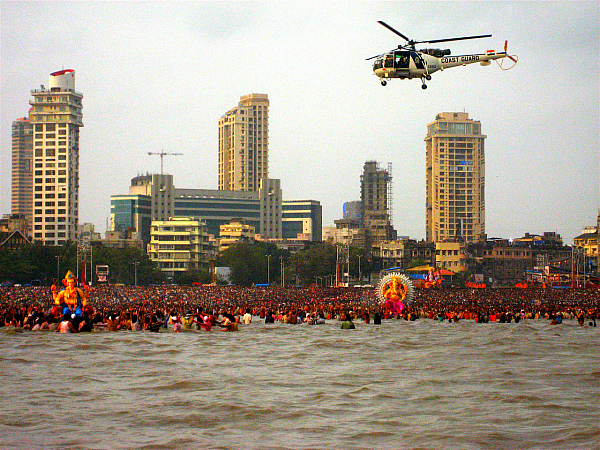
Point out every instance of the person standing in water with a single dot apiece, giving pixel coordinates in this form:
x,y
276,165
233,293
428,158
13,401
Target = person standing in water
x,y
346,320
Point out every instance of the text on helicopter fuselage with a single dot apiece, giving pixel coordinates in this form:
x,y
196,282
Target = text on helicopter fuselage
x,y
455,59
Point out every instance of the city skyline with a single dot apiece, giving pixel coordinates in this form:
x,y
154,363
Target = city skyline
x,y
326,119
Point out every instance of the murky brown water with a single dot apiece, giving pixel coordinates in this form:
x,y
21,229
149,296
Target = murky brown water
x,y
401,385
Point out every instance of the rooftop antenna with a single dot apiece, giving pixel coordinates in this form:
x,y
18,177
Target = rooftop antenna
x,y
162,153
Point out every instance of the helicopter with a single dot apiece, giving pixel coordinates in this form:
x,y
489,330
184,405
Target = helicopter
x,y
406,62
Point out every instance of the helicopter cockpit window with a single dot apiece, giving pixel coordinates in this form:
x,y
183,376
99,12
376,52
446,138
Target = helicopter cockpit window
x,y
389,61
378,64
401,61
418,61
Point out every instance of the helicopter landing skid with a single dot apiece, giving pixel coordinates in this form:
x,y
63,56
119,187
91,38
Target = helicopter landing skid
x,y
424,86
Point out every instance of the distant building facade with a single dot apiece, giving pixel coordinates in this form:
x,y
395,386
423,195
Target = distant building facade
x,y
160,189
236,231
451,255
22,169
56,117
14,222
244,144
588,243
216,207
179,244
151,197
270,197
354,211
375,196
302,220
131,216
455,179
506,262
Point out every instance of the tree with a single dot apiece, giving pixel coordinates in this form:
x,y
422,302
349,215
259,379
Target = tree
x,y
39,262
193,276
120,262
248,262
315,262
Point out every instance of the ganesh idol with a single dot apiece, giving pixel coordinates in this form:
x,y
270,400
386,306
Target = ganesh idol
x,y
71,299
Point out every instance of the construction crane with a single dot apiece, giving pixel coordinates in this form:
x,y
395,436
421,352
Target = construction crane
x,y
162,154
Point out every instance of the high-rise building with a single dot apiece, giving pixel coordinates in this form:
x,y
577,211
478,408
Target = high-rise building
x,y
270,197
455,176
56,116
244,144
376,199
22,168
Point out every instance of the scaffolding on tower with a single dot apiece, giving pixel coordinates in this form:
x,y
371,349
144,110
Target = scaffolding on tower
x,y
390,203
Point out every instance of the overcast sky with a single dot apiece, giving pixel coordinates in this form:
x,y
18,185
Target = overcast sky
x,y
159,75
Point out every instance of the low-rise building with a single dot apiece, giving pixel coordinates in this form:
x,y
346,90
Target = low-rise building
x,y
14,222
302,220
118,239
13,240
587,241
237,230
346,232
451,255
180,244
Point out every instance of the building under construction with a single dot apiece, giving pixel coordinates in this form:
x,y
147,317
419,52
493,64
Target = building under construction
x,y
376,199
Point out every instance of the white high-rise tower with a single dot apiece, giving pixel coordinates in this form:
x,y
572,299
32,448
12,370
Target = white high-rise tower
x,y
56,116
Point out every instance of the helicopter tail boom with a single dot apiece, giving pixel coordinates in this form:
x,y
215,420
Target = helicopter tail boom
x,y
484,59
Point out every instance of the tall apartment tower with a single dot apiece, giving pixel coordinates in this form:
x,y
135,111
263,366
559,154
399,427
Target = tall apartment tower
x,y
244,144
455,176
376,199
22,168
56,116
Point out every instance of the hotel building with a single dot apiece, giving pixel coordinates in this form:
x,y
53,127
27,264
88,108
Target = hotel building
x,y
455,178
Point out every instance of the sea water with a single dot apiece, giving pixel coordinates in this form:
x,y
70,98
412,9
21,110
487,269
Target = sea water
x,y
399,385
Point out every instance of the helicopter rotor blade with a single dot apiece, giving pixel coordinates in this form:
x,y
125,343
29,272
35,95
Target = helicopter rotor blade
x,y
381,22
512,58
373,57
454,39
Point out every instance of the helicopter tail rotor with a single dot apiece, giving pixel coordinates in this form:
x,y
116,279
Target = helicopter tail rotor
x,y
513,58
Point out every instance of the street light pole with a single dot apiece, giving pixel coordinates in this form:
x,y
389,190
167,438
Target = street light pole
x,y
57,267
359,274
135,264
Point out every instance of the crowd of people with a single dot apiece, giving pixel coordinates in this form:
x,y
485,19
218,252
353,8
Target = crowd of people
x,y
204,308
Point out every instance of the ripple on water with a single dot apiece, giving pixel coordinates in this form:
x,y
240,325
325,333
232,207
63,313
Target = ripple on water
x,y
402,385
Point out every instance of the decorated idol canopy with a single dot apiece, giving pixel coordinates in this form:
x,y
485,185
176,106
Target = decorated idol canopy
x,y
395,291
